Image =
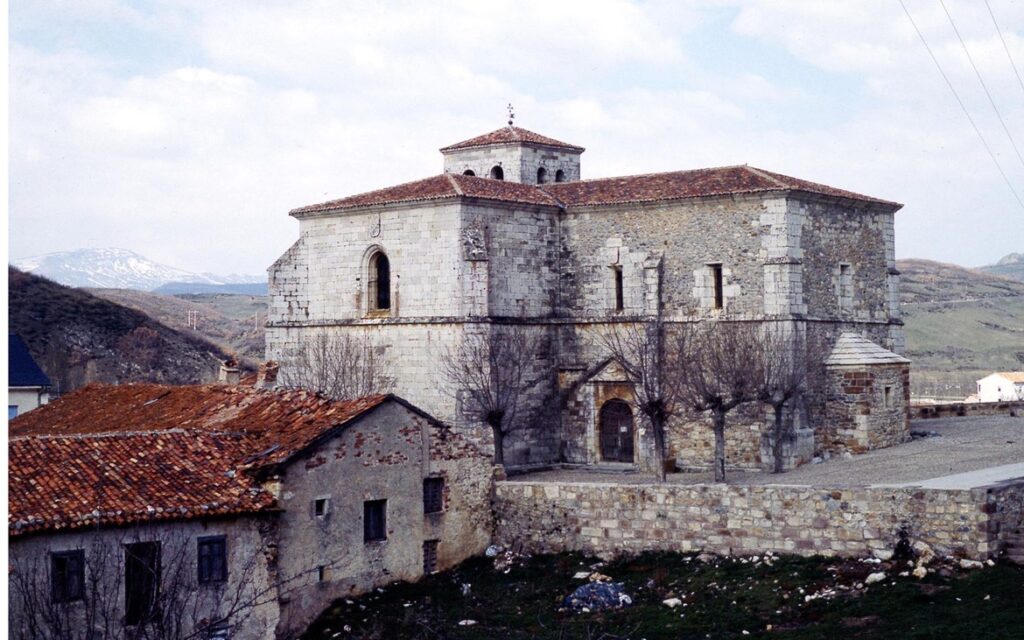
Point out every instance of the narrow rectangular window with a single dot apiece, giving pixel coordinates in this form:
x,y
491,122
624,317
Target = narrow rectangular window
x,y
433,495
845,286
619,297
375,520
67,575
429,556
320,507
141,581
888,396
718,294
321,573
213,559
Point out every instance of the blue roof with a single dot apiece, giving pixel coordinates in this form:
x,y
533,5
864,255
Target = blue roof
x,y
23,370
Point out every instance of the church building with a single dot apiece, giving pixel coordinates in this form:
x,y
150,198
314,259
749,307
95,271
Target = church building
x,y
510,235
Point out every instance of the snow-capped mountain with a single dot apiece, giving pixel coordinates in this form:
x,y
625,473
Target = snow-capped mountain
x,y
117,269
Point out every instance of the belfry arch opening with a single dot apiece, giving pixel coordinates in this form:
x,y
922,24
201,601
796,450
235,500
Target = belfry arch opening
x,y
542,175
497,173
559,176
468,172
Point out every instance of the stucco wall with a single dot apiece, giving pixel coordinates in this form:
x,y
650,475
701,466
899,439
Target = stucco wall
x,y
249,578
384,456
26,399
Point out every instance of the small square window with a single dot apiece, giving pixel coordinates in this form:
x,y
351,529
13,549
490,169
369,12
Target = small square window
x,y
429,556
375,520
320,507
213,561
433,495
67,575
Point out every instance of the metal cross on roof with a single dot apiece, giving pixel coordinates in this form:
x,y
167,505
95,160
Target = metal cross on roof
x,y
511,114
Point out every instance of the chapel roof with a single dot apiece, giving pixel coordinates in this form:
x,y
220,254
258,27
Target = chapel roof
x,y
440,187
645,188
853,349
22,370
510,135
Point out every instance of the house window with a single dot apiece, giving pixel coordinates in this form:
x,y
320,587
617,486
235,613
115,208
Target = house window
x,y
141,581
468,172
559,176
433,495
429,556
542,175
717,286
12,411
67,575
497,173
321,573
617,283
320,506
375,520
213,560
380,282
888,396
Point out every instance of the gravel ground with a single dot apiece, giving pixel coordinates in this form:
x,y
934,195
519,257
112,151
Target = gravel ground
x,y
963,445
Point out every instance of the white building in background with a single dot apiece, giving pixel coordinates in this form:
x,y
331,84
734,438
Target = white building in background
x,y
1001,387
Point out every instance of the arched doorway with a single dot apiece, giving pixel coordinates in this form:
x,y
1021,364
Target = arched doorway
x,y
615,431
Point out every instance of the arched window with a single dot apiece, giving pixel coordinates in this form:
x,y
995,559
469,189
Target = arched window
x,y
542,175
380,282
559,176
468,172
497,173
615,423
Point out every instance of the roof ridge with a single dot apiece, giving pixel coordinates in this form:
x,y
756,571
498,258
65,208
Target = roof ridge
x,y
649,174
455,184
767,176
326,203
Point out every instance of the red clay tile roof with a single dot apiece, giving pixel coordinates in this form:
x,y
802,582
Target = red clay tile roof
x,y
651,187
441,187
510,135
141,451
285,421
68,482
677,185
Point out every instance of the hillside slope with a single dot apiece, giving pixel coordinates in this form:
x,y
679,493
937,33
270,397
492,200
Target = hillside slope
x,y
234,322
78,338
1010,266
961,324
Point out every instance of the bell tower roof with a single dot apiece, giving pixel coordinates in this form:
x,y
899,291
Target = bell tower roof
x,y
511,135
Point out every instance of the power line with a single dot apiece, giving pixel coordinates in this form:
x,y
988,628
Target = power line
x,y
963,107
1020,81
984,86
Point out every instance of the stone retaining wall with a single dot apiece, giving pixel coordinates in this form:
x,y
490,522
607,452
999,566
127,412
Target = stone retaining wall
x,y
609,518
960,409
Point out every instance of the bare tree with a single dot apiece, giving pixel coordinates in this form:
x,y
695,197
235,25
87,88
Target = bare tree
x,y
493,374
786,359
718,371
337,366
644,353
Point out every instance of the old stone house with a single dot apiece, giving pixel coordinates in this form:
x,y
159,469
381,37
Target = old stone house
x,y
234,510
510,235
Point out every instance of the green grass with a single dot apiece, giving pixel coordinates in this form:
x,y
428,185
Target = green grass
x,y
724,598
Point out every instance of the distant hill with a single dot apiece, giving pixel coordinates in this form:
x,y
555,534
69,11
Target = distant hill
x,y
79,338
961,324
234,322
1009,266
178,288
121,269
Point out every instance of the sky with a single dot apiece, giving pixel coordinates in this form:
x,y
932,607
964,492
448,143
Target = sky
x,y
186,130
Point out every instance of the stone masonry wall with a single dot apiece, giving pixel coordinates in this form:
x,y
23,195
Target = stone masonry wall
x,y
1007,509
614,519
859,416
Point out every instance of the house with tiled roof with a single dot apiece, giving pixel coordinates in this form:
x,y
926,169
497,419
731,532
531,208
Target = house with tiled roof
x,y
241,510
511,235
27,386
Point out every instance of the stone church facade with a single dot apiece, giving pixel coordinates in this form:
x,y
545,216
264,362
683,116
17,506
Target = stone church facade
x,y
510,235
